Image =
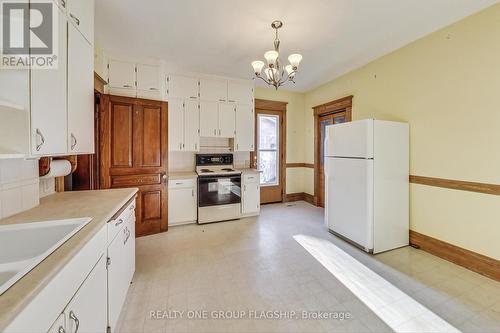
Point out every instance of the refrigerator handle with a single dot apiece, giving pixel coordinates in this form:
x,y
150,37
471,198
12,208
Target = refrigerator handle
x,y
325,147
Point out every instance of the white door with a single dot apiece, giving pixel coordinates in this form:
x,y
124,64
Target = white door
x,y
227,120
148,81
251,194
121,74
245,128
87,312
48,102
350,139
182,87
213,90
240,92
349,183
191,126
175,124
182,205
209,119
121,252
80,94
81,15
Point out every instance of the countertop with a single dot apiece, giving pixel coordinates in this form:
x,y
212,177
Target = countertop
x,y
99,205
182,175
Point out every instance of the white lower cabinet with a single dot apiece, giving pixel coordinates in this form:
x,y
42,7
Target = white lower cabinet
x,y
59,326
182,205
251,194
86,312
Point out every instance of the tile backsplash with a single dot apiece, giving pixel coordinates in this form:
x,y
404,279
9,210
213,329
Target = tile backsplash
x,y
19,186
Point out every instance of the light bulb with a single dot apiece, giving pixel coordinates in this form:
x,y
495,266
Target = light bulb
x,y
271,73
271,57
295,60
257,66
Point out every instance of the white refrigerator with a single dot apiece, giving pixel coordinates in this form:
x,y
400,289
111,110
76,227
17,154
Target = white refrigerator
x,y
366,183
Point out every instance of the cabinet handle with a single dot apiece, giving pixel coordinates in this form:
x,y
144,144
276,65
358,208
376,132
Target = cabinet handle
x,y
222,100
237,146
193,97
153,89
180,146
232,101
215,132
219,132
131,207
195,146
127,235
120,221
244,188
192,192
63,3
42,138
77,20
127,86
74,141
75,318
61,330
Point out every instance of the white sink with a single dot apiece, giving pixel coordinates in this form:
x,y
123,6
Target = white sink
x,y
23,246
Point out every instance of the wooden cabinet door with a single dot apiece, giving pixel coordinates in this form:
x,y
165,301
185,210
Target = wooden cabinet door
x,y
245,128
176,124
133,145
227,120
48,102
80,94
81,15
191,126
209,119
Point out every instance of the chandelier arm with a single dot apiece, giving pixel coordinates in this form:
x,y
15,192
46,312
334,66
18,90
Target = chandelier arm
x,y
266,81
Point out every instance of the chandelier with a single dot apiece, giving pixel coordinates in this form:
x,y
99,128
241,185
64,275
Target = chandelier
x,y
275,74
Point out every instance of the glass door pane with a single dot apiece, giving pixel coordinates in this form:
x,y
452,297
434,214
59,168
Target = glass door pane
x,y
268,149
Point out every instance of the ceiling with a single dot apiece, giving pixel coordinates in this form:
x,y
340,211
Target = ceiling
x,y
222,37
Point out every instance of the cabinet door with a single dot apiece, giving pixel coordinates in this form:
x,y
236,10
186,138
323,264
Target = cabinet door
x,y
148,81
48,102
59,325
209,119
240,92
80,94
86,312
181,205
227,118
213,90
121,253
251,197
121,74
191,125
175,124
183,87
81,15
245,128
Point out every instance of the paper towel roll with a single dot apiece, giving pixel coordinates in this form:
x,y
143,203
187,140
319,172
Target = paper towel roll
x,y
58,168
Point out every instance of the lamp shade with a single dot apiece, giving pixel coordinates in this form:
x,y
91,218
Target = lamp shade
x,y
257,66
295,59
271,73
271,57
290,71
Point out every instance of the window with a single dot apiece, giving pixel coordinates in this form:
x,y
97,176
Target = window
x,y
268,149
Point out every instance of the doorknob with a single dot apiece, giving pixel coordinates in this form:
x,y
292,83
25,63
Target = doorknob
x,y
164,177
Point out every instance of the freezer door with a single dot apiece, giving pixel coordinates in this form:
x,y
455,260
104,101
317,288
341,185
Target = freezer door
x,y
352,139
349,205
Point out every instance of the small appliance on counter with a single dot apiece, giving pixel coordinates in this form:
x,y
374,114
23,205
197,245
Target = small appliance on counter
x,y
219,188
366,183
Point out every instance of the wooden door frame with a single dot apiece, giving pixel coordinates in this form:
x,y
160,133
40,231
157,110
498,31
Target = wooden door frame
x,y
275,106
339,105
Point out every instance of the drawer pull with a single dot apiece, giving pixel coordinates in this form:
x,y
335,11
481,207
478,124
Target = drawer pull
x,y
120,221
77,20
127,235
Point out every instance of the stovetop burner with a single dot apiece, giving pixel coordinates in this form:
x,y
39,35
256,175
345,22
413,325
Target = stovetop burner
x,y
206,170
227,169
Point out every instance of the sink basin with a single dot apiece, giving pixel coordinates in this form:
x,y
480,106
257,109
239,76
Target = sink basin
x,y
24,246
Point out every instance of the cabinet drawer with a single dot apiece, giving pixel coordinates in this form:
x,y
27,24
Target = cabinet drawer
x,y
117,223
135,180
181,183
251,178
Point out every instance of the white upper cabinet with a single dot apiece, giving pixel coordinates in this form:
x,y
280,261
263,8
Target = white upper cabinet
x,y
183,87
80,94
175,124
81,14
227,120
121,74
148,81
191,125
209,119
240,92
245,128
48,103
213,90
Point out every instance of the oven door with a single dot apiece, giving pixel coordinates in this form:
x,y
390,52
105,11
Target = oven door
x,y
219,190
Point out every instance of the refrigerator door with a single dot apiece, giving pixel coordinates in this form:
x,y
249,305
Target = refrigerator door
x,y
349,184
352,139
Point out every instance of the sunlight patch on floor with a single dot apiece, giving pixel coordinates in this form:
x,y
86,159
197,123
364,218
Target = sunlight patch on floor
x,y
398,310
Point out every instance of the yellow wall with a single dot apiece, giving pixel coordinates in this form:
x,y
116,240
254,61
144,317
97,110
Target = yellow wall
x,y
295,144
447,86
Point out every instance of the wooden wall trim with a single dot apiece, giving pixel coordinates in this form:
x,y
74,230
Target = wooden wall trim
x,y
300,196
471,260
99,83
456,184
333,106
300,165
264,104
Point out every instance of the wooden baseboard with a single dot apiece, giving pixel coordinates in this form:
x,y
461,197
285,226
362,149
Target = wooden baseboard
x,y
474,261
301,196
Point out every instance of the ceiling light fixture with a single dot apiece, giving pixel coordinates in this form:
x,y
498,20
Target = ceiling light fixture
x,y
275,74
